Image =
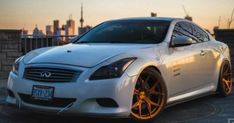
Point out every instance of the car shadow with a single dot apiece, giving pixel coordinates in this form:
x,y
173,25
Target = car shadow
x,y
190,111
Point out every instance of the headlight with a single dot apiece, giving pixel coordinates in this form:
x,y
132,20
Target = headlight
x,y
114,70
16,65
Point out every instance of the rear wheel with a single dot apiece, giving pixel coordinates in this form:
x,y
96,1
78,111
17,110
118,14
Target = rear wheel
x,y
149,96
225,80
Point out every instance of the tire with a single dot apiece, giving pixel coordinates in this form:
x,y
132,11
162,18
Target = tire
x,y
149,96
225,80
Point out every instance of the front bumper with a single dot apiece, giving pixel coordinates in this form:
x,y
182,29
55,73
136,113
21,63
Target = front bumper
x,y
84,91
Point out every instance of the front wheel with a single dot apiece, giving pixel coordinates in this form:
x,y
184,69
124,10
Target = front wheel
x,y
149,96
225,80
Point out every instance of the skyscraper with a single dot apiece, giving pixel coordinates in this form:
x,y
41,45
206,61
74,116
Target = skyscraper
x,y
49,30
70,27
56,28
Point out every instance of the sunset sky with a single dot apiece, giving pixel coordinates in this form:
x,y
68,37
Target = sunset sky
x,y
16,14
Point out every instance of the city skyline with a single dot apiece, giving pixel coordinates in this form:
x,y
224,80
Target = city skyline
x,y
28,13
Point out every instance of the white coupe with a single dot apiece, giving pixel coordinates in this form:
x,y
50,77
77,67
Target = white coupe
x,y
132,67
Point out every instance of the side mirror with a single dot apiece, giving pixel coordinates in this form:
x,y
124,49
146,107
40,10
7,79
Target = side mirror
x,y
182,41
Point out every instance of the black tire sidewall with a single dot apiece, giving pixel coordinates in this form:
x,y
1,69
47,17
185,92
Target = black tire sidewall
x,y
163,86
220,84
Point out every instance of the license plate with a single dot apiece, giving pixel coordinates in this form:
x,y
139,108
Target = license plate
x,y
42,92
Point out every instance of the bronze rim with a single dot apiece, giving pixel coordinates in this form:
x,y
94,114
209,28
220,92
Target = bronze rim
x,y
148,97
227,79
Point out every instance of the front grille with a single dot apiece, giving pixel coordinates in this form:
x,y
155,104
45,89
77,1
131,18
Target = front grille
x,y
55,102
52,74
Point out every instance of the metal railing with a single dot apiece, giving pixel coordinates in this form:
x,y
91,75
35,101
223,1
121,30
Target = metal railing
x,y
30,42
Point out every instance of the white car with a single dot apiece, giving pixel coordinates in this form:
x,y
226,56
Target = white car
x,y
131,67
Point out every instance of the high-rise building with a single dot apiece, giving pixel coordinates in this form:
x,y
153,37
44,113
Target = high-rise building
x,y
49,30
57,30
70,27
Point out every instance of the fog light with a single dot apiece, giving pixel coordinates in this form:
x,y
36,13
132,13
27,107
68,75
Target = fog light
x,y
107,102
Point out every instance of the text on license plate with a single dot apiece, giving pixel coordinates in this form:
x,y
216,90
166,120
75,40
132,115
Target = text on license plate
x,y
42,92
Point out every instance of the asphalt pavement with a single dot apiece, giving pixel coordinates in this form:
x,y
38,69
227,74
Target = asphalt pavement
x,y
209,109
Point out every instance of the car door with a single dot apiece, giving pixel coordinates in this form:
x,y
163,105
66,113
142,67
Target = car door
x,y
185,68
207,59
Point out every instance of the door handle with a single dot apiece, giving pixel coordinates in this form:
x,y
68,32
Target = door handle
x,y
203,52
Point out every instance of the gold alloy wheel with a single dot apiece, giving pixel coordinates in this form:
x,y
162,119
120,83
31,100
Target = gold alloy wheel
x,y
149,96
226,79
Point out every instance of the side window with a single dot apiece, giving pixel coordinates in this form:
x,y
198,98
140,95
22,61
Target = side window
x,y
199,33
185,29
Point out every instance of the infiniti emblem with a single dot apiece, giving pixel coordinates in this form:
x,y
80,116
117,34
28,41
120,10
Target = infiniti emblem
x,y
45,74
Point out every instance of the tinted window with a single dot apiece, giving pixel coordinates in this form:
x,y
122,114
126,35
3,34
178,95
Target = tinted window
x,y
133,31
185,29
190,30
199,33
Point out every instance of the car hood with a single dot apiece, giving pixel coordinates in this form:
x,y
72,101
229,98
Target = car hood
x,y
85,55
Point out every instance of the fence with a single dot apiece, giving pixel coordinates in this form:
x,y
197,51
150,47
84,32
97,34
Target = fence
x,y
12,45
30,42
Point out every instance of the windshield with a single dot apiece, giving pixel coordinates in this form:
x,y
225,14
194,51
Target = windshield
x,y
127,32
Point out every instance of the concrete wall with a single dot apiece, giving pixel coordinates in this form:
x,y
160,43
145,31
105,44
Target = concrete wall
x,y
10,49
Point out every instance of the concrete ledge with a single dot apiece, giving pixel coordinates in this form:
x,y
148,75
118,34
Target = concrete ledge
x,y
3,90
3,83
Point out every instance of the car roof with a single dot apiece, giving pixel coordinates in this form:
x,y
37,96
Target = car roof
x,y
147,19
